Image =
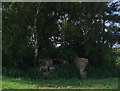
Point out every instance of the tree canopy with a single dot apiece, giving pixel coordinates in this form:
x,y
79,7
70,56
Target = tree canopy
x,y
33,31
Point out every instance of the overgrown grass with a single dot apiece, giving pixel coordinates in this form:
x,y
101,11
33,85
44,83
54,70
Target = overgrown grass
x,y
74,83
66,71
65,77
62,78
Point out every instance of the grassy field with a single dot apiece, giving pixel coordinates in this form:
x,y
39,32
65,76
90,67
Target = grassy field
x,y
19,83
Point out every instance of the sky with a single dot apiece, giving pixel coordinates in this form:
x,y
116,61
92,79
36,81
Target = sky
x,y
116,45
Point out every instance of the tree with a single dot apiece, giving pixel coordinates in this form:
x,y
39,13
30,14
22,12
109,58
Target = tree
x,y
31,31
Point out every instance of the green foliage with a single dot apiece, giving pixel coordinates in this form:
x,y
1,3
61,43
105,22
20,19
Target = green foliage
x,y
99,73
117,53
15,45
62,71
66,71
118,61
61,78
66,53
13,72
78,27
101,56
26,74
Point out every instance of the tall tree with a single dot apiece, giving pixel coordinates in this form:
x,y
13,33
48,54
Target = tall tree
x,y
32,31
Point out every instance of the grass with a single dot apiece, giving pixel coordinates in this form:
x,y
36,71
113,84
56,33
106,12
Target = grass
x,y
74,83
32,79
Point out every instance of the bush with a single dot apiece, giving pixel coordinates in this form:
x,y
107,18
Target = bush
x,y
102,72
62,71
101,56
65,71
12,72
66,53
